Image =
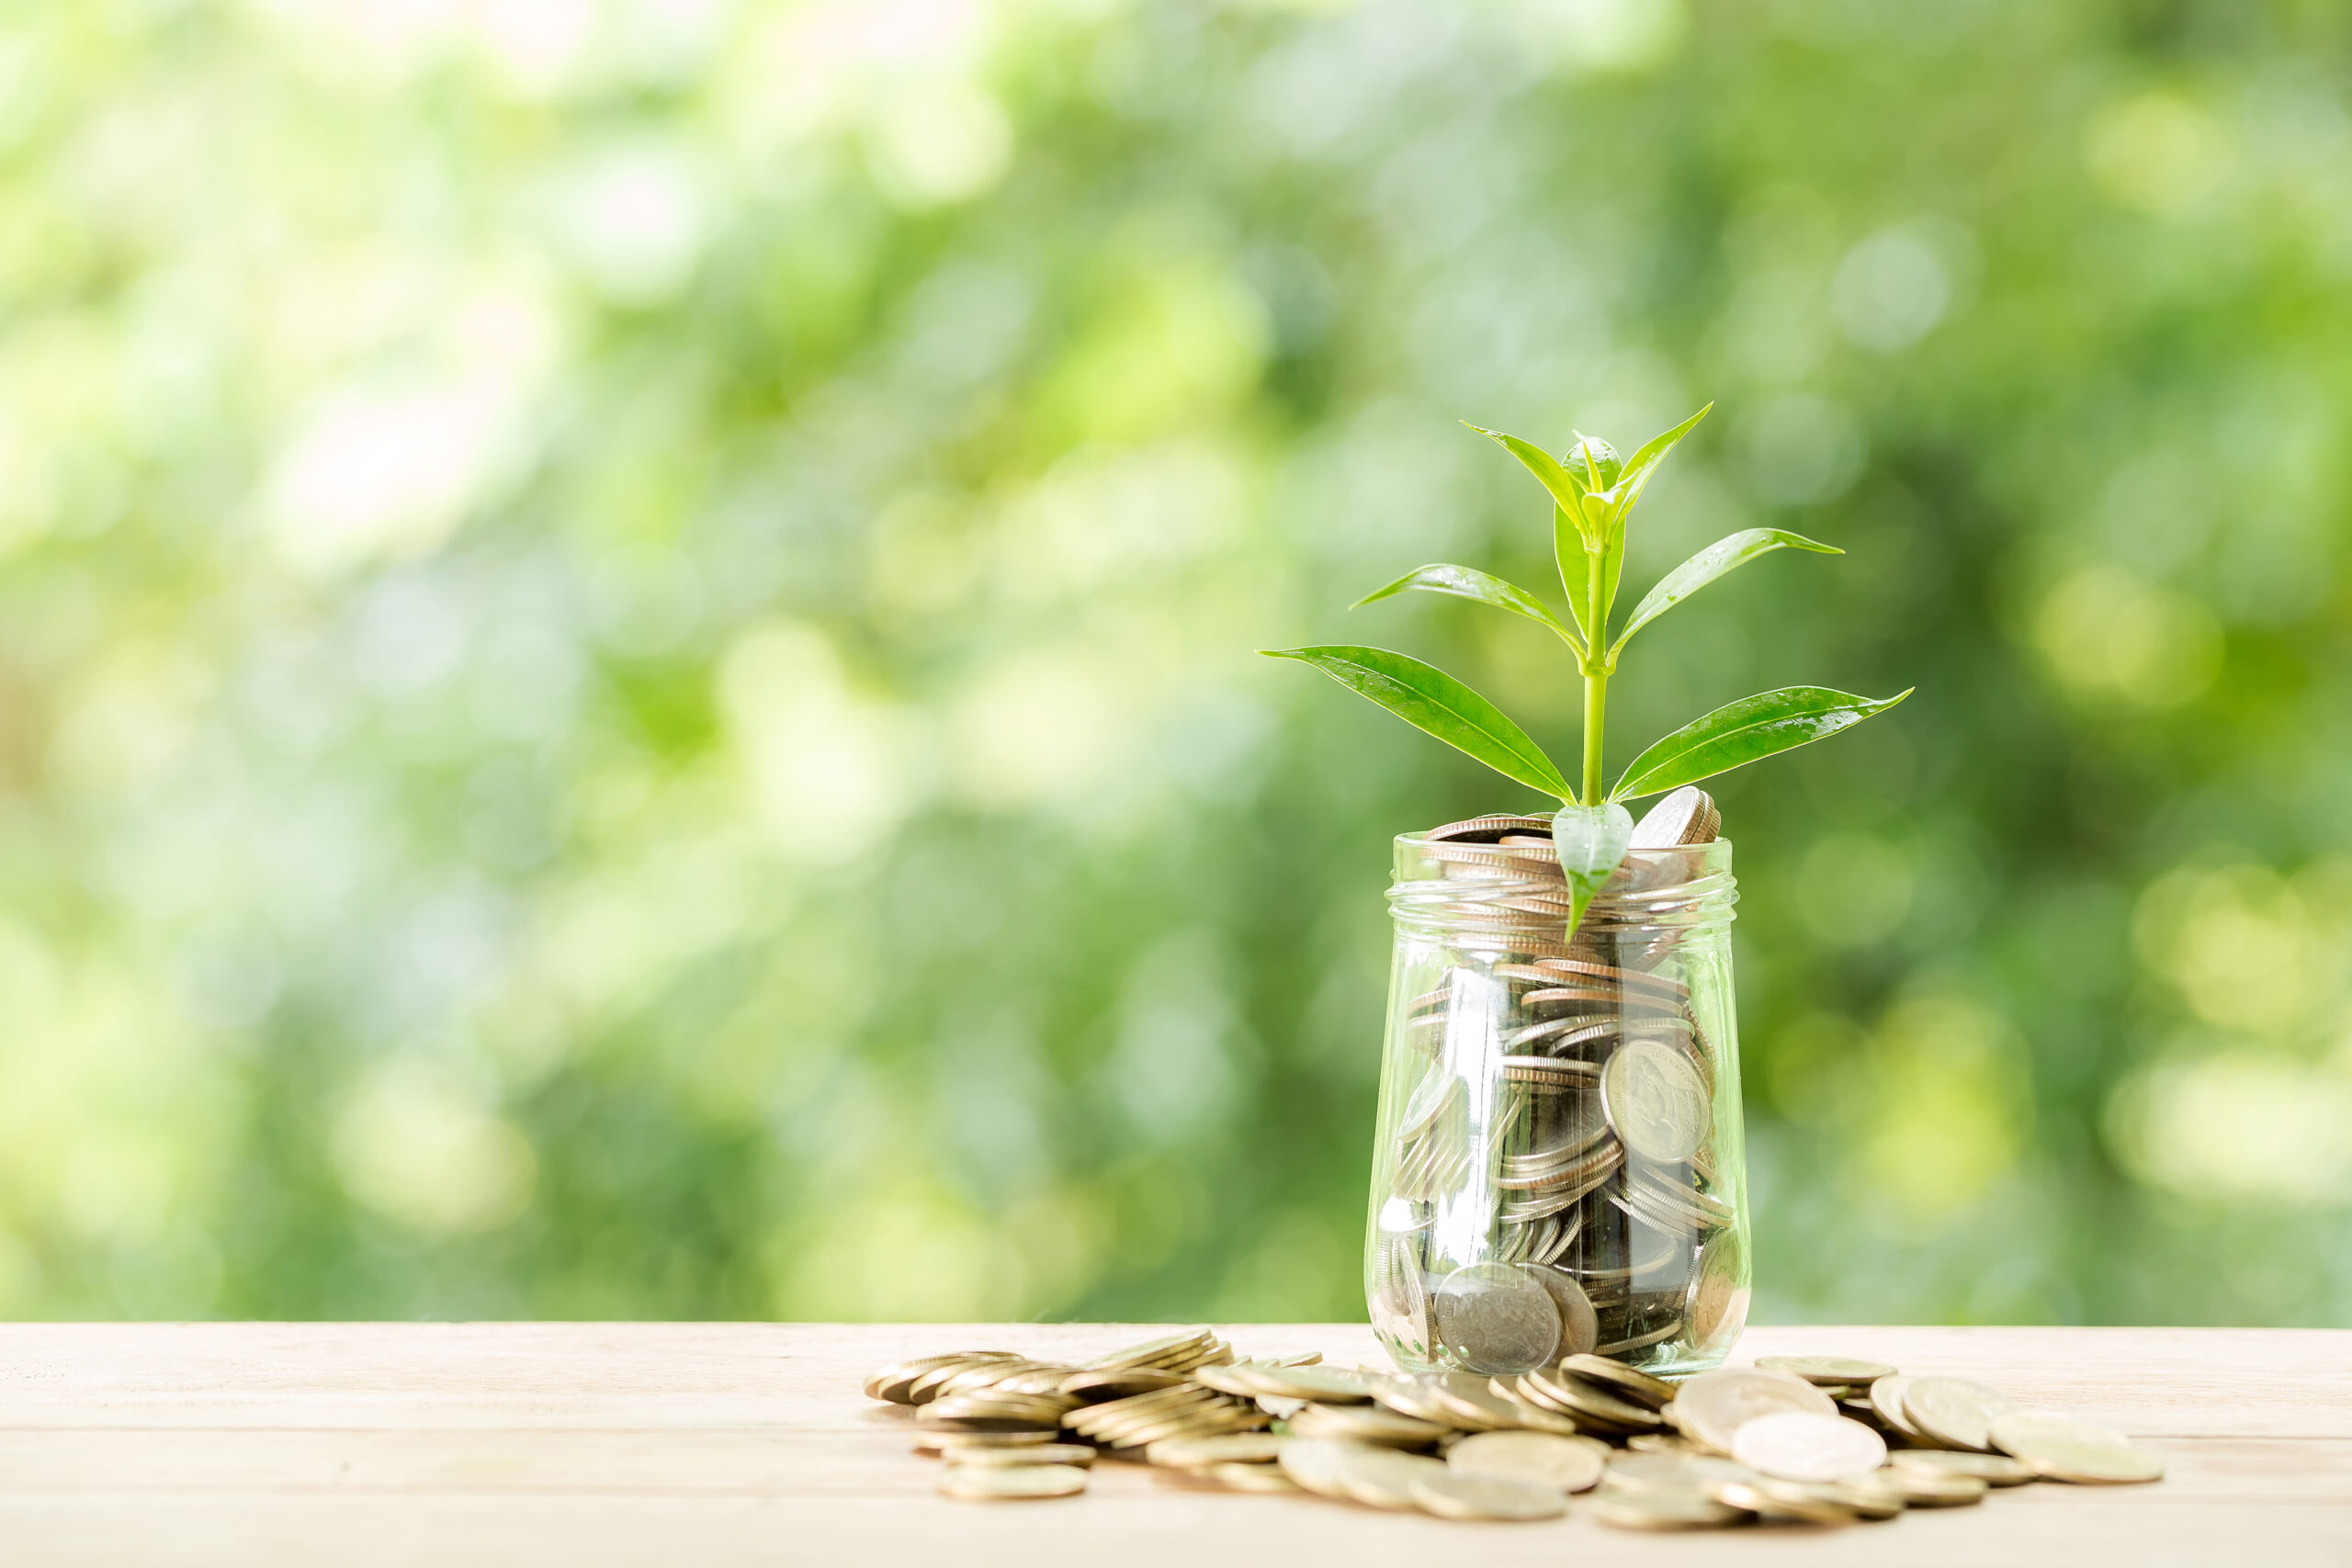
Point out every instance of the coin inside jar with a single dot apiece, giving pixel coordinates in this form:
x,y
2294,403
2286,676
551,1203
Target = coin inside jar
x,y
1656,1101
1497,1319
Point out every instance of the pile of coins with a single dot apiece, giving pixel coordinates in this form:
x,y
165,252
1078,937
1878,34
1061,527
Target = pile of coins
x,y
1809,1439
1551,1181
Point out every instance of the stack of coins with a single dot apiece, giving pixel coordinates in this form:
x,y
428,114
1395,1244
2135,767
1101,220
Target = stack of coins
x,y
1552,1186
1815,1440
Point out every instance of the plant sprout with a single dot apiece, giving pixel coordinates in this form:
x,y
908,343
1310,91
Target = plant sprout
x,y
1592,494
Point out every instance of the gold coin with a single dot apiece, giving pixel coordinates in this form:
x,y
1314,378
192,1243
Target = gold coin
x,y
1313,1464
893,1382
1886,1398
1356,1423
956,1442
2060,1448
990,1485
1383,1478
1118,1382
1324,1386
1874,1495
1797,1500
1573,1395
1712,1406
1155,1352
1671,1472
1194,1453
1249,1477
1955,1413
1450,1495
1535,1459
1827,1371
1994,1470
1790,1444
1661,1510
1078,1454
1937,1488
1626,1383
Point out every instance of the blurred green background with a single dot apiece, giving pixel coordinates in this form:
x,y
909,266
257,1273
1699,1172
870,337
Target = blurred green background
x,y
626,632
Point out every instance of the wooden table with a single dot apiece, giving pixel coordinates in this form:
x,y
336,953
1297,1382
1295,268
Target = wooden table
x,y
711,1444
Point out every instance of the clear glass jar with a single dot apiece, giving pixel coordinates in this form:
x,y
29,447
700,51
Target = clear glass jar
x,y
1561,1166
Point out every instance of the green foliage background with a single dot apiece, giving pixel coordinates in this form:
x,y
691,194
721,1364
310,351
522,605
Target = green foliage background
x,y
626,632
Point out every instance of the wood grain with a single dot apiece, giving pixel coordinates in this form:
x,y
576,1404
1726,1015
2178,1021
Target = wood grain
x,y
587,1444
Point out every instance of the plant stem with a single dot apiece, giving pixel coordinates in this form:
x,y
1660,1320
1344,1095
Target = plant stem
x,y
1596,677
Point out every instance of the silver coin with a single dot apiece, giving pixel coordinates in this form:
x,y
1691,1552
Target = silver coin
x,y
1580,1325
1655,1101
1497,1319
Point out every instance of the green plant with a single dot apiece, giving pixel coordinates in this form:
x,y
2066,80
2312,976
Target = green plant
x,y
1592,494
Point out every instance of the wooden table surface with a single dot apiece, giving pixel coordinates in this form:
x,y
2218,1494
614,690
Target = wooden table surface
x,y
714,1444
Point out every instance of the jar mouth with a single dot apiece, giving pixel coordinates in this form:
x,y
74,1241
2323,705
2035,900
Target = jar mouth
x,y
1451,887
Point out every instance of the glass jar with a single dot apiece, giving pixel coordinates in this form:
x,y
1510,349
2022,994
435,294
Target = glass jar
x,y
1560,1166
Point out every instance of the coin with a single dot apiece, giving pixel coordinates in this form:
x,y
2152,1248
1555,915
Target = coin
x,y
1537,1459
1873,1494
1588,1402
1489,828
1793,1500
1078,1454
1935,1488
1451,1495
1826,1370
2061,1448
1355,1423
1117,1382
1626,1383
1994,1470
1712,1406
1155,1352
1641,1472
1662,1510
1655,1101
1716,1307
893,1382
953,1443
989,1484
1196,1453
1955,1413
1793,1446
1313,1463
1886,1398
1325,1385
1497,1319
1383,1478
1687,815
1249,1477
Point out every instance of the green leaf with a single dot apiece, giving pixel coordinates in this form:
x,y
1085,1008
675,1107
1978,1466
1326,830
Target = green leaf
x,y
1591,841
1428,697
1568,550
1469,582
1565,489
1644,462
1612,566
1724,555
1741,732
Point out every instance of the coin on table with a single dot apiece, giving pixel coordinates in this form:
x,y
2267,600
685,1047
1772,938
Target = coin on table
x,y
1497,1319
1355,1423
1078,1454
1537,1459
1655,1101
893,1382
1874,1495
985,1483
1194,1453
1313,1463
1627,1382
1994,1470
1384,1478
2060,1448
1249,1477
1711,1407
1671,1472
1955,1412
1451,1495
1155,1352
1662,1510
1324,1386
1827,1371
953,1443
1886,1399
1793,1446
1937,1488
1797,1500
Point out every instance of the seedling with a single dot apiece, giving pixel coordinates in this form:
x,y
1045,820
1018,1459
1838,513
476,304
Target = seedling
x,y
1592,494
